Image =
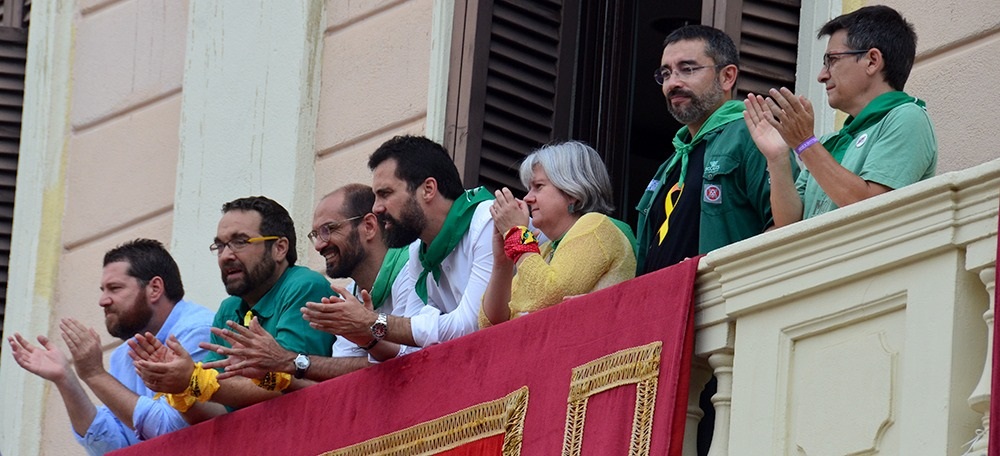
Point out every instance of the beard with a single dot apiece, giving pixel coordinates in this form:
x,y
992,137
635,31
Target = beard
x,y
132,321
252,279
407,228
699,107
348,258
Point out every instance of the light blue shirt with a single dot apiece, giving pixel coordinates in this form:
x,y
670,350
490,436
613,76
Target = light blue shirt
x,y
190,323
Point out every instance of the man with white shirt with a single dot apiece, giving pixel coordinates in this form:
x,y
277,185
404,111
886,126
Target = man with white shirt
x,y
348,236
419,195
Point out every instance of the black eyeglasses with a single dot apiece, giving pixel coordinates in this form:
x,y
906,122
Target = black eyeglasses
x,y
662,74
236,245
832,57
326,229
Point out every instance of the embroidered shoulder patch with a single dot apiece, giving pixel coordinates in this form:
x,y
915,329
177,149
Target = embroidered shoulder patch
x,y
653,185
712,193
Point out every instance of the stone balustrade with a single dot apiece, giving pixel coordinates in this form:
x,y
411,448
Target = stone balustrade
x,y
857,332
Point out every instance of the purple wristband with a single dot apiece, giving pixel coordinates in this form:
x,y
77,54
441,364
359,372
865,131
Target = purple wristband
x,y
805,145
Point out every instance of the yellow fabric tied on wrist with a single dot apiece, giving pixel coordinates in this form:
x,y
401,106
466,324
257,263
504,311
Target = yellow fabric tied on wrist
x,y
203,384
274,381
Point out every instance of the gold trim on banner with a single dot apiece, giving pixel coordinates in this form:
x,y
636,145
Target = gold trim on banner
x,y
501,416
636,365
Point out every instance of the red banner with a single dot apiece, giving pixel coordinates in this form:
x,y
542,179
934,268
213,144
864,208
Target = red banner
x,y
605,373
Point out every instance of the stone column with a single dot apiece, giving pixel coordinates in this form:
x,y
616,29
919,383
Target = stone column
x,y
722,363
979,400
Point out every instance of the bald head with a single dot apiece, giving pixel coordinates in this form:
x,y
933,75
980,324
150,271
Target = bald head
x,y
346,233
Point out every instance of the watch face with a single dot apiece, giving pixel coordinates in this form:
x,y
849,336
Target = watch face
x,y
380,328
302,361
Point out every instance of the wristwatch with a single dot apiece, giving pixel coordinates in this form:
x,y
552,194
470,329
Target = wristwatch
x,y
381,327
301,365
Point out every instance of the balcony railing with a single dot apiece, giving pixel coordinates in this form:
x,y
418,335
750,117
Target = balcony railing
x,y
863,331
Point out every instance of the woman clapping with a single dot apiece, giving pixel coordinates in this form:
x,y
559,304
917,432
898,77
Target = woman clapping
x,y
569,197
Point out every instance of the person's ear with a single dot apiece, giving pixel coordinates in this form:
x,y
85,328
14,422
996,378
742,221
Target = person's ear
x,y
727,77
279,250
428,190
369,227
155,289
876,62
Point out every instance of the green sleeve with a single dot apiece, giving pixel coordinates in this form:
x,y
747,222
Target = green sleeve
x,y
291,330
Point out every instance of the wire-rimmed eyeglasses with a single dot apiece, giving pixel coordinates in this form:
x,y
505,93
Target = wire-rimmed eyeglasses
x,y
326,229
829,58
662,74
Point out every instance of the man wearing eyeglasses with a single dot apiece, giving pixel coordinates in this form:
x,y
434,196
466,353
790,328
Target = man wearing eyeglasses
x,y
713,191
887,141
255,245
350,238
419,197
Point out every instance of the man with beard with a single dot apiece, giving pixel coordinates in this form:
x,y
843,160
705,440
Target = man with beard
x,y
141,291
714,190
255,244
348,236
419,196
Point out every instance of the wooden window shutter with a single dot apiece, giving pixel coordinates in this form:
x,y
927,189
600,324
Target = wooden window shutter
x,y
766,32
13,53
15,13
510,88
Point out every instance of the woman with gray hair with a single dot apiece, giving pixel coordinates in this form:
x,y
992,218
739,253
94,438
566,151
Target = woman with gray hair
x,y
569,197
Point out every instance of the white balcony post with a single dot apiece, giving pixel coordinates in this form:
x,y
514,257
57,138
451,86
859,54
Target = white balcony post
x,y
722,363
979,400
701,373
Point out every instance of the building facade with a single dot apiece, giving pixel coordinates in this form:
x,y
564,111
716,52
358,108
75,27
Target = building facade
x,y
141,117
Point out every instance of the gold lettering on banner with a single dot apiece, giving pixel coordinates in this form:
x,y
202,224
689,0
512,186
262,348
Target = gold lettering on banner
x,y
501,416
636,365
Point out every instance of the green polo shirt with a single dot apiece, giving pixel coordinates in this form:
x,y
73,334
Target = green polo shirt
x,y
897,151
278,313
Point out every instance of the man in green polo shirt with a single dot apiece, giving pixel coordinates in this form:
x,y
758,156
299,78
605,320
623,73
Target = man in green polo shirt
x,y
887,141
255,244
351,240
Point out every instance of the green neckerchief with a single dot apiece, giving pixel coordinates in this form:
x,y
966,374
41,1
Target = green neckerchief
x,y
454,228
627,231
870,115
728,112
393,262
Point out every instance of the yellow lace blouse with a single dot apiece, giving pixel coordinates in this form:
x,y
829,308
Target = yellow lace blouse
x,y
592,255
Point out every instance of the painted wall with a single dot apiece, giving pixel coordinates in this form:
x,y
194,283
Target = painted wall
x,y
374,86
957,45
125,99
173,108
148,138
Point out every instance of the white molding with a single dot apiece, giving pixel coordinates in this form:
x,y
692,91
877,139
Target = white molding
x,y
440,65
810,60
248,118
900,258
38,212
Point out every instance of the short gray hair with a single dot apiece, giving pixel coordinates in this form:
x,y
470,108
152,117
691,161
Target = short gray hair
x,y
576,169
